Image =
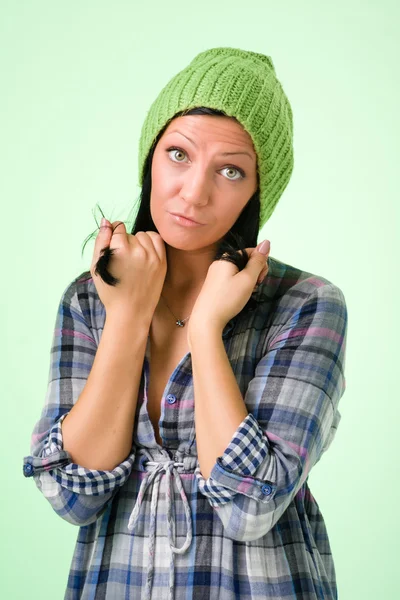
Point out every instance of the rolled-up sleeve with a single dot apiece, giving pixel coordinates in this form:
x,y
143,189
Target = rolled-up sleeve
x,y
77,494
293,416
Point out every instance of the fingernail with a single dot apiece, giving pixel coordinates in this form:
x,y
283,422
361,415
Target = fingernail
x,y
103,222
265,246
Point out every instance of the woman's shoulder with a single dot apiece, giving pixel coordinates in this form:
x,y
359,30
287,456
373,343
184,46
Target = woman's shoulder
x,y
290,296
285,281
81,294
82,286
287,289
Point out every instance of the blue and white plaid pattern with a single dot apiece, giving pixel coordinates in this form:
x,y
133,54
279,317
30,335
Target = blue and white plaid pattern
x,y
252,529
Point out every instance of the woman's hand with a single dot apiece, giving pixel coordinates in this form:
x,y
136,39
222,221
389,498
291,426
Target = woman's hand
x,y
139,264
226,290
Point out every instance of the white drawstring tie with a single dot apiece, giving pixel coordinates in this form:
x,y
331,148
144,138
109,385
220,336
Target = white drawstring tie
x,y
154,473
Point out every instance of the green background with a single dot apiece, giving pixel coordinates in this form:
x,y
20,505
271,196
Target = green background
x,y
77,80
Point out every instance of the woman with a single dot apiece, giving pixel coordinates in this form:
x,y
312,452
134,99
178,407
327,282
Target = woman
x,y
186,404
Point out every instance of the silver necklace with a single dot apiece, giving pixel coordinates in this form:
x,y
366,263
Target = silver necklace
x,y
178,322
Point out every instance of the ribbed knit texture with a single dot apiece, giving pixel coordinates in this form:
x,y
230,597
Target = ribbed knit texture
x,y
244,85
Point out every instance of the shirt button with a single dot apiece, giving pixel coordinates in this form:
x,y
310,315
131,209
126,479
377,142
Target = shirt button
x,y
28,470
171,399
142,461
266,489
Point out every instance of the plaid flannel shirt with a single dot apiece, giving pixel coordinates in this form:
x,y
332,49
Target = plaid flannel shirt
x,y
252,529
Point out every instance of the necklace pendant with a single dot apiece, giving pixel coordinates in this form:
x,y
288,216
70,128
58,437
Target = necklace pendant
x,y
180,323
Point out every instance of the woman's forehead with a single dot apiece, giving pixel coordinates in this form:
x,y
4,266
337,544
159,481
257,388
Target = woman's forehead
x,y
210,128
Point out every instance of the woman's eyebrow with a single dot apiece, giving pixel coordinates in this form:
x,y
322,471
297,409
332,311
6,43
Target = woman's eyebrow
x,y
221,153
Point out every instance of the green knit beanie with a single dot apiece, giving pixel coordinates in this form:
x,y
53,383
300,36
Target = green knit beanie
x,y
244,85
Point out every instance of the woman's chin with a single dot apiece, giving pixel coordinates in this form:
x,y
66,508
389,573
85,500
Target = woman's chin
x,y
185,240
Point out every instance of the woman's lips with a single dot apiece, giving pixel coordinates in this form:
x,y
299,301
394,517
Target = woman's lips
x,y
185,222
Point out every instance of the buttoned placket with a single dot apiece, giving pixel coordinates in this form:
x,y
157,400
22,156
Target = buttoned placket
x,y
154,471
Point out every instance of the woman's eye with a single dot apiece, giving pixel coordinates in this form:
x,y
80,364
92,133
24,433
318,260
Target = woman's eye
x,y
241,173
176,150
173,148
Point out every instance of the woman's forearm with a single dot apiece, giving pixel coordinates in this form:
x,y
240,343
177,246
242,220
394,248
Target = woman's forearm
x,y
98,430
219,405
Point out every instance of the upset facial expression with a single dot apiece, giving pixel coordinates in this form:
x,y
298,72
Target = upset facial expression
x,y
199,178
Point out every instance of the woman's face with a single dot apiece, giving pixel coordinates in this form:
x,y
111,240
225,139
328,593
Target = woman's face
x,y
196,178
